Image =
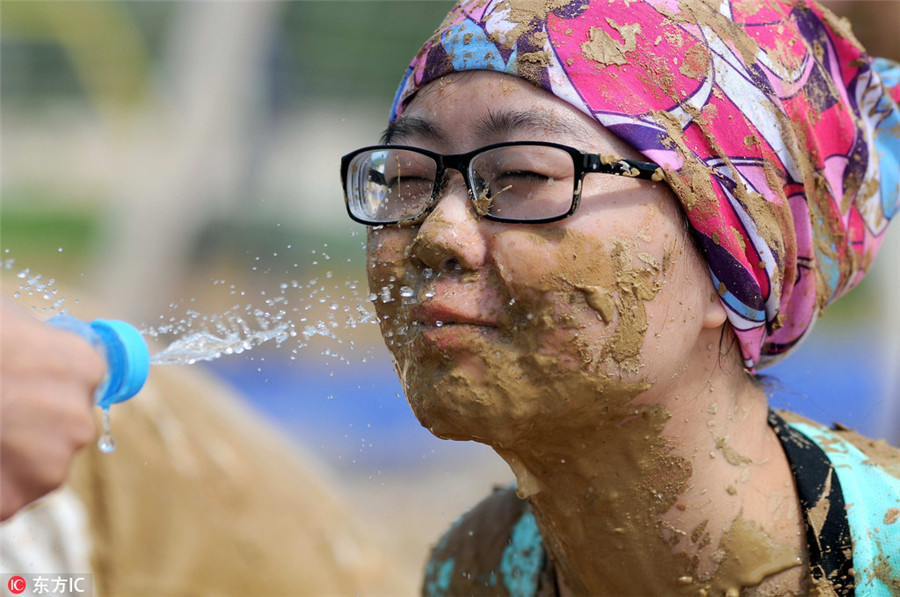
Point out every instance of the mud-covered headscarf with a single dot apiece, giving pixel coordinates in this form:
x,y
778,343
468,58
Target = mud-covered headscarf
x,y
778,133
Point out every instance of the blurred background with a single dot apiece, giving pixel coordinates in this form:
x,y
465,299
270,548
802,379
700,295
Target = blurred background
x,y
166,157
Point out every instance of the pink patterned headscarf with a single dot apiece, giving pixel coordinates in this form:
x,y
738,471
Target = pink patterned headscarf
x,y
779,135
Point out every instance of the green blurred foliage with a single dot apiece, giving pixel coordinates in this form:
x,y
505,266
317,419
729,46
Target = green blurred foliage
x,y
323,49
71,51
341,48
51,239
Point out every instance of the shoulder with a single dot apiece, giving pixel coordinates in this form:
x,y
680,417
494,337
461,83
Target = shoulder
x,y
878,452
494,549
869,475
840,440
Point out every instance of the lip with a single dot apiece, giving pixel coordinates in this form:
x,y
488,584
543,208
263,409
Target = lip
x,y
448,310
447,303
435,314
450,329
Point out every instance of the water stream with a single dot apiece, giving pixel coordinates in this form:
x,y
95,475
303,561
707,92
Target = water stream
x,y
188,336
207,345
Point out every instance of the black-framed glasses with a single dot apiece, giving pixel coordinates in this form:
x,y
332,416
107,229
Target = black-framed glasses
x,y
520,182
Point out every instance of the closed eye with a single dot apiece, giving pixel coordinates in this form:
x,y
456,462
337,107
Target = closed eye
x,y
398,180
522,176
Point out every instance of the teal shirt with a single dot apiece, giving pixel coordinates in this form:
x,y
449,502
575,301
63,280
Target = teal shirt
x,y
872,501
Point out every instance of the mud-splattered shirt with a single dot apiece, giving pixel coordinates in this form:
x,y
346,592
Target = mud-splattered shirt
x,y
849,491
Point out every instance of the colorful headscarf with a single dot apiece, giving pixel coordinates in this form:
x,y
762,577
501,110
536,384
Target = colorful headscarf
x,y
779,135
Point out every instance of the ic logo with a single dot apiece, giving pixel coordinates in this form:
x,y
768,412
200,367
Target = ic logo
x,y
16,584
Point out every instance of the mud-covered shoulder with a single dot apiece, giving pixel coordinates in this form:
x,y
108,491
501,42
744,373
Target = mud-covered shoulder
x,y
878,451
493,549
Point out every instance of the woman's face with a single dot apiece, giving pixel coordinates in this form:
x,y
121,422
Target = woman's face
x,y
501,332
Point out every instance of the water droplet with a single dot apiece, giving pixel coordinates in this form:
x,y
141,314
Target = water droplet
x,y
106,443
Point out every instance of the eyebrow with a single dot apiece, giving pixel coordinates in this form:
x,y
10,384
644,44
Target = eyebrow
x,y
412,126
500,123
496,125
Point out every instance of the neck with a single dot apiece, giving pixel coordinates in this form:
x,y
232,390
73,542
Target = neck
x,y
668,500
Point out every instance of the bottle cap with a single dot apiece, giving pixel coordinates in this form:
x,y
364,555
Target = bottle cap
x,y
128,358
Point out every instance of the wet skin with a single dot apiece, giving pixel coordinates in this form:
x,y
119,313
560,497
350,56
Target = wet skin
x,y
590,342
525,288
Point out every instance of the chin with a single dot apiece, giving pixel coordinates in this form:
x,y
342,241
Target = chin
x,y
451,404
503,398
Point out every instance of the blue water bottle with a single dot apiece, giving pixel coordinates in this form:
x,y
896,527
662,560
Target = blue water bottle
x,y
127,361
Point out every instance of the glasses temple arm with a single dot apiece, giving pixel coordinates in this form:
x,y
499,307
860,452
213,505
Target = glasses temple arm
x,y
609,164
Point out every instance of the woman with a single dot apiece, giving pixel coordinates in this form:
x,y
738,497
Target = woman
x,y
591,224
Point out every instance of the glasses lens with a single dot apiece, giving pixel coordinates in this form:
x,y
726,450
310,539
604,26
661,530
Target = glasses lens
x,y
388,185
523,182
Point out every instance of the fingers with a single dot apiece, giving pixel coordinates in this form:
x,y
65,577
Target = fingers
x,y
47,396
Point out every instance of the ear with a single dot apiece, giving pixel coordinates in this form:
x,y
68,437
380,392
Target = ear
x,y
714,316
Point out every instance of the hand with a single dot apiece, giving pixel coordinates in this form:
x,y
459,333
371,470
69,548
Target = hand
x,y
47,382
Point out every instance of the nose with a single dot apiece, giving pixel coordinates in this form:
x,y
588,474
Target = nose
x,y
451,236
